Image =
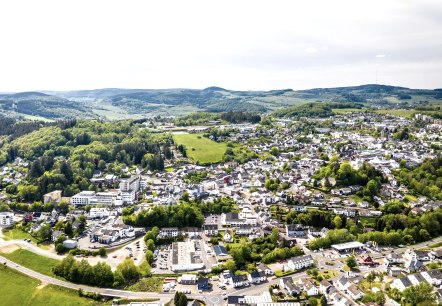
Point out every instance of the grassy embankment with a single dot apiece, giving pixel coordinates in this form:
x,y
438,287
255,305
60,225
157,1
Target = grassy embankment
x,y
19,289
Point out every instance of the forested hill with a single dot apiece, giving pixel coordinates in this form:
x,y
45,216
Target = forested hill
x,y
116,103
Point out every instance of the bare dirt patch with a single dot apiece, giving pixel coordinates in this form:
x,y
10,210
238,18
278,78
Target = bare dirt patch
x,y
9,249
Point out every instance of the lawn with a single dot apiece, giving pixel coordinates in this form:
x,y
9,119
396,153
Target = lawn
x,y
328,274
19,289
201,149
17,234
280,273
32,261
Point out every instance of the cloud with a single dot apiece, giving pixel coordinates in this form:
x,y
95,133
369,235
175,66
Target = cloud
x,y
311,50
249,44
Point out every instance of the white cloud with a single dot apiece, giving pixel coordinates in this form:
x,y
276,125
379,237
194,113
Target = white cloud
x,y
249,44
311,50
380,56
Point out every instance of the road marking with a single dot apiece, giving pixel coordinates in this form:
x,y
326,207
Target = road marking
x,y
215,300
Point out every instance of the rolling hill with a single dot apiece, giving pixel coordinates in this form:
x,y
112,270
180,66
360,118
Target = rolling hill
x,y
117,103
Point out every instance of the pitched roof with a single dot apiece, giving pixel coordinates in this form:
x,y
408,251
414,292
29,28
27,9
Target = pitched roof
x,y
405,281
220,250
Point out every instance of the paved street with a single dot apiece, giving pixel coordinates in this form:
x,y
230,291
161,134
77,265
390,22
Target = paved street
x,y
211,298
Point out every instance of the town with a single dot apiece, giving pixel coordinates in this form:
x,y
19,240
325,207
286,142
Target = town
x,y
309,211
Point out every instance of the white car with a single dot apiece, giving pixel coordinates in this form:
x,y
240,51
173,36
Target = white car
x,y
224,295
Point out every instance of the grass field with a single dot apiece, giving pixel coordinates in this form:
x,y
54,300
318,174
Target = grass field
x,y
19,289
200,148
32,261
407,113
346,110
16,233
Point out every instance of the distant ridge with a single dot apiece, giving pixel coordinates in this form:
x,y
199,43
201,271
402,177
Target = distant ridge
x,y
124,103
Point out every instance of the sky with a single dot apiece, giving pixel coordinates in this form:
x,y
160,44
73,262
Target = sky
x,y
239,45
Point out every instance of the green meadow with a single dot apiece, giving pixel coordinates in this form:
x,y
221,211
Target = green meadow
x,y
19,289
201,149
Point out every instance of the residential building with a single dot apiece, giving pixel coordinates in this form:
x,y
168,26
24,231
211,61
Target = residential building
x,y
300,262
295,230
211,229
288,284
355,292
6,219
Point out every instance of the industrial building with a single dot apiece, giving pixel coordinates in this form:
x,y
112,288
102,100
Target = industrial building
x,y
185,257
348,246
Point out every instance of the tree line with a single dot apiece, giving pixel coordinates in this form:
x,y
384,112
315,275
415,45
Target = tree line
x,y
100,275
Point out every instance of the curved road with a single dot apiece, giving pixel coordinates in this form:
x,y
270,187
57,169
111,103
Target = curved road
x,y
164,298
210,299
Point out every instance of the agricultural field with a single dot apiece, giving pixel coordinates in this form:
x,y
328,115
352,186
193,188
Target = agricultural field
x,y
32,261
201,149
19,289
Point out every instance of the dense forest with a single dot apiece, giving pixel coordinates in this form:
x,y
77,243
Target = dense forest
x,y
424,179
397,226
366,176
64,156
313,110
188,213
228,117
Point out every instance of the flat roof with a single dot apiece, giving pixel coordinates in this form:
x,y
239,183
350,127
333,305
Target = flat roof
x,y
347,245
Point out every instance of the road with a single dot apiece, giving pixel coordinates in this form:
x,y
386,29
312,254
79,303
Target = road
x,y
210,298
164,298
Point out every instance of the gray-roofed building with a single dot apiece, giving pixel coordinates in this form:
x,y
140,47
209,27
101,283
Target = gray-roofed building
x,y
401,283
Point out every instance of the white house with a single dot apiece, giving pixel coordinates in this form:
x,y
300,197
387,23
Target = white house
x,y
240,280
300,262
211,229
263,268
98,212
295,230
324,286
169,232
6,219
257,277
343,283
433,277
394,258
355,292
310,288
401,283
288,284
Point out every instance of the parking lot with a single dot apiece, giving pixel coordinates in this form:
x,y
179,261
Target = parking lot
x,y
162,259
135,250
